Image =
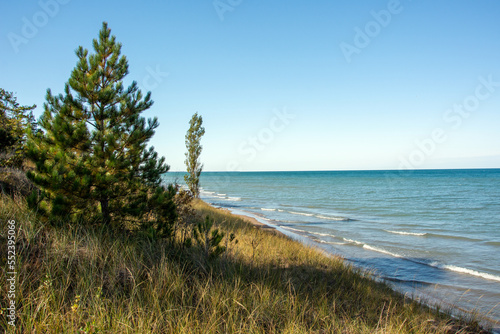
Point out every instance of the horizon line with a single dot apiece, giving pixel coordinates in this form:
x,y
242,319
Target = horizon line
x,y
339,170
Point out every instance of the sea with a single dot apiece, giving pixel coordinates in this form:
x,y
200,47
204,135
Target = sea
x,y
431,234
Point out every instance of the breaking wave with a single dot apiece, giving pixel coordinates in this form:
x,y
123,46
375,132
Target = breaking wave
x,y
407,233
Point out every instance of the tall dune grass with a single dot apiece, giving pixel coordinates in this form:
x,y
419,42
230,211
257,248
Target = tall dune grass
x,y
84,279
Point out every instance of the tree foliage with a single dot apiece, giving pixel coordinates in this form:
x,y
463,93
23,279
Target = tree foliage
x,y
193,145
92,156
15,120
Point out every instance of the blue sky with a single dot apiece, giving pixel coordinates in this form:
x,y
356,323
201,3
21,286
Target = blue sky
x,y
286,85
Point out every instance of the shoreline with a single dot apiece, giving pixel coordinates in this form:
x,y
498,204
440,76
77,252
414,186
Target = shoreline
x,y
246,216
418,296
251,220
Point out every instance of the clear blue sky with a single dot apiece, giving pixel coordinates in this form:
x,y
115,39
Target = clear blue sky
x,y
286,85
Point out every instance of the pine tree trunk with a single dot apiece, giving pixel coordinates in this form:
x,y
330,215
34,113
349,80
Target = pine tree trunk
x,y
105,211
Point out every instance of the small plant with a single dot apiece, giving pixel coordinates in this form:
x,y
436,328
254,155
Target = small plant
x,y
231,240
186,215
209,239
76,304
255,243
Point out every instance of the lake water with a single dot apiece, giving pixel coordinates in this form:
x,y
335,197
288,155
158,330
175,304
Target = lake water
x,y
434,234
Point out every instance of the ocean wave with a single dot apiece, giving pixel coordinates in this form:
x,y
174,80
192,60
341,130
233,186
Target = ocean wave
x,y
353,241
380,250
312,235
330,242
302,213
434,264
227,198
292,229
323,234
306,214
407,233
207,192
465,271
332,218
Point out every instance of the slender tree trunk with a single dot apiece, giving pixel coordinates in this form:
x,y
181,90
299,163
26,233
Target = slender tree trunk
x,y
105,211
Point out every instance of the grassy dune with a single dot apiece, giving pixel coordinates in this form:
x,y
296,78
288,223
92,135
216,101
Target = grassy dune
x,y
83,279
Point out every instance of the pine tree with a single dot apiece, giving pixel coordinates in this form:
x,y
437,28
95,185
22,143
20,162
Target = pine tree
x,y
15,120
92,156
194,167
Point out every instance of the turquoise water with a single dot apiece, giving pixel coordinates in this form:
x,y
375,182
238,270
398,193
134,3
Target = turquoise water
x,y
434,234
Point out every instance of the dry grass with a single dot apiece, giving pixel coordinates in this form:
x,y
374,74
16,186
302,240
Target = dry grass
x,y
13,181
83,280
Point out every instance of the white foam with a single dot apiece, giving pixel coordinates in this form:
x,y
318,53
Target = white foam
x,y
302,213
379,250
331,218
465,271
292,229
331,243
323,234
407,233
279,210
266,209
234,199
224,195
353,241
